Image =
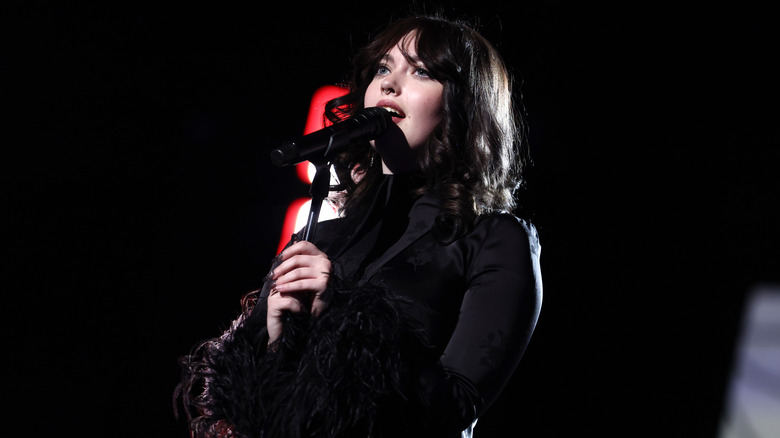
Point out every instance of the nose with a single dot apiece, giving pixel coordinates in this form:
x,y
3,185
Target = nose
x,y
390,85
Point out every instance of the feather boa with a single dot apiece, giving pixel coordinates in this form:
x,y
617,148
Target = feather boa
x,y
326,376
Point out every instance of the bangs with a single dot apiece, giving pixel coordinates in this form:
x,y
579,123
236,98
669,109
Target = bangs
x,y
425,41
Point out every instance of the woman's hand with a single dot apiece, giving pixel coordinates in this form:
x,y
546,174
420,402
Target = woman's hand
x,y
300,281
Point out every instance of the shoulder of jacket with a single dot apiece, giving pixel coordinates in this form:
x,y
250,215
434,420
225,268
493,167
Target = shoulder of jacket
x,y
502,223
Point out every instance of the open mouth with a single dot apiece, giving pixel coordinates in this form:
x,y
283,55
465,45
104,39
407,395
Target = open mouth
x,y
394,111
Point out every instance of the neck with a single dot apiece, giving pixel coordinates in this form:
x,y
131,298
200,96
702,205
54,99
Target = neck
x,y
398,169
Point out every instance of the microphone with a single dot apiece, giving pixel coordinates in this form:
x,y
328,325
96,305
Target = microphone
x,y
364,125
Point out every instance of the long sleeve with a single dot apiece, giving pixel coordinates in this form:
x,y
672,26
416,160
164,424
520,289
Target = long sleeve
x,y
496,318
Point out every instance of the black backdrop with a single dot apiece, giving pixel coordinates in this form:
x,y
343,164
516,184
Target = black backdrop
x,y
141,204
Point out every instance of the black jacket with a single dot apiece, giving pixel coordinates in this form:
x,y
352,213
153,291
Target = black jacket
x,y
462,315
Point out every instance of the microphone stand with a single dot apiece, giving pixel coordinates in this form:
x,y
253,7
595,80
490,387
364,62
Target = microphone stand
x,y
318,190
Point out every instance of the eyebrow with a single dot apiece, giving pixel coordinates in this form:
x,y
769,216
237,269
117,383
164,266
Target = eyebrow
x,y
411,60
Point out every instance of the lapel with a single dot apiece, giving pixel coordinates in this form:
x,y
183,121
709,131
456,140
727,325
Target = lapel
x,y
421,219
348,242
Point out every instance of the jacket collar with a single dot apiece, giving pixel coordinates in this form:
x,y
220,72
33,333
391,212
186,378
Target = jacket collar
x,y
421,220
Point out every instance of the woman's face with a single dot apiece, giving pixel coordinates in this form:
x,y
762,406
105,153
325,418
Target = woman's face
x,y
415,98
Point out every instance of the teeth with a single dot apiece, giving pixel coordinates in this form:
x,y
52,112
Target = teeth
x,y
394,111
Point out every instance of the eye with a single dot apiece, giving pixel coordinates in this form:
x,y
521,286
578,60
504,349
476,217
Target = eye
x,y
382,70
419,71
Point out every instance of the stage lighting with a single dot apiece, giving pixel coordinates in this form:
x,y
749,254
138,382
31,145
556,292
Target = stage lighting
x,y
298,211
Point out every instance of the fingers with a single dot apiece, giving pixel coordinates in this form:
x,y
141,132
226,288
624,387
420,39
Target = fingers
x,y
303,267
300,247
318,306
279,302
303,279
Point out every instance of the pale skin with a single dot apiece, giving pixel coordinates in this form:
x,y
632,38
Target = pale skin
x,y
407,88
301,278
300,281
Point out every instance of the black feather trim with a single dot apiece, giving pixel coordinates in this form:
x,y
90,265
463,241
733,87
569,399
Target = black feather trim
x,y
326,376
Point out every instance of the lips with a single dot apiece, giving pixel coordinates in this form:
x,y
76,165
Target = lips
x,y
392,107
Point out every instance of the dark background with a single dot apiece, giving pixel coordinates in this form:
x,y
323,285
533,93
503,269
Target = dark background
x,y
140,203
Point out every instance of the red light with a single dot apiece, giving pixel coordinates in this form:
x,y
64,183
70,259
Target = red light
x,y
290,219
314,122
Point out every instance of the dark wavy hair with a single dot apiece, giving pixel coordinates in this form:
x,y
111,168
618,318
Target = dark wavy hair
x,y
475,158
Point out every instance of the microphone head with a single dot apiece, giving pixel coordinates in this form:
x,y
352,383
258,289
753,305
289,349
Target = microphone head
x,y
378,118
365,124
284,155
